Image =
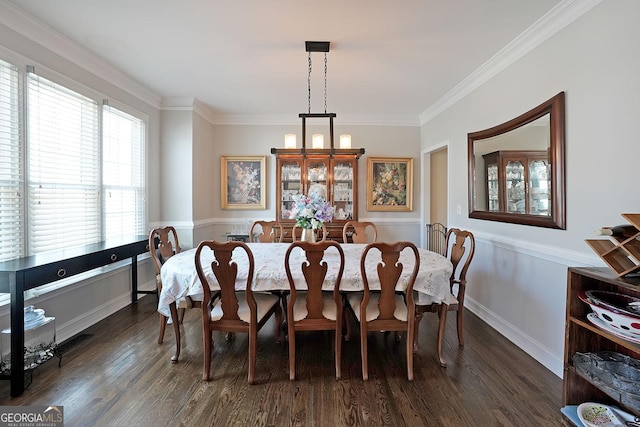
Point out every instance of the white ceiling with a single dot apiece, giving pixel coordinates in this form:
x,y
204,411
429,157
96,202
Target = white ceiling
x,y
389,60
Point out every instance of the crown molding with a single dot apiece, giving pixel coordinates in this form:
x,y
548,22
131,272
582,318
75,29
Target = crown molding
x,y
293,119
377,120
197,106
29,27
551,23
178,103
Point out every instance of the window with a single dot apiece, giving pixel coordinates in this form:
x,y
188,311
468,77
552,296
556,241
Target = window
x,y
63,167
122,173
72,170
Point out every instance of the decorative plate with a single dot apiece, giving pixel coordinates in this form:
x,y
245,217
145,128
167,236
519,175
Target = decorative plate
x,y
593,318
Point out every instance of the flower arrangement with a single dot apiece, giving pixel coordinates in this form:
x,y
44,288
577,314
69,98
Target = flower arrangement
x,y
311,211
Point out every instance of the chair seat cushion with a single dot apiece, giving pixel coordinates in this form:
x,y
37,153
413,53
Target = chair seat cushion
x,y
355,299
329,308
264,303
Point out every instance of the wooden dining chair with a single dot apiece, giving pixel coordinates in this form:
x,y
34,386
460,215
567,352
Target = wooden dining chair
x,y
163,244
357,230
231,310
295,228
386,310
313,309
270,231
460,248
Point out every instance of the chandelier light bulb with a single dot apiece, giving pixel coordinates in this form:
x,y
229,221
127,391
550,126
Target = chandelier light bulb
x,y
345,141
317,140
290,140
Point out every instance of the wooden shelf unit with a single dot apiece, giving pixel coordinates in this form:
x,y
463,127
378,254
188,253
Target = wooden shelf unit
x,y
622,255
582,336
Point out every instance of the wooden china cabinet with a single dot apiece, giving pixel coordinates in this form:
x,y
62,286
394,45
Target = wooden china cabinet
x,y
332,174
518,182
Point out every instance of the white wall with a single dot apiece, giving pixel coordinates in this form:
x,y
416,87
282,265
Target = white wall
x,y
518,278
217,140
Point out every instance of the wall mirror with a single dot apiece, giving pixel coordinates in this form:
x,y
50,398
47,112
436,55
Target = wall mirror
x,y
516,169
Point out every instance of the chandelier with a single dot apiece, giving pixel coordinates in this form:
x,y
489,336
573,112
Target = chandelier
x,y
317,140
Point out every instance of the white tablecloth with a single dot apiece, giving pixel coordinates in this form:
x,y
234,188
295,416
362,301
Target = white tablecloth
x,y
179,277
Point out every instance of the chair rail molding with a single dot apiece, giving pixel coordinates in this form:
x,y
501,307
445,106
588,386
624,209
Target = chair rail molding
x,y
567,257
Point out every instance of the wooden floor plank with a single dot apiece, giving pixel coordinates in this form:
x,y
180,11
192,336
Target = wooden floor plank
x,y
118,375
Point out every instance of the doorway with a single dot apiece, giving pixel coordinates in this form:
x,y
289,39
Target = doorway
x,y
435,188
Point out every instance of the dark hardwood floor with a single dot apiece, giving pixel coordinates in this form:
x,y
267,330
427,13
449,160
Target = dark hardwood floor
x,y
115,374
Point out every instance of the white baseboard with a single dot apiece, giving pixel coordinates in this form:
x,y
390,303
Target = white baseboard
x,y
519,338
75,326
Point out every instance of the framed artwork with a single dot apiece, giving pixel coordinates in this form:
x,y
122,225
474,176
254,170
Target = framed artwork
x,y
389,184
242,185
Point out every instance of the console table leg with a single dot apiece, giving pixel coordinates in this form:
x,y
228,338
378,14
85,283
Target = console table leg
x,y
16,286
134,279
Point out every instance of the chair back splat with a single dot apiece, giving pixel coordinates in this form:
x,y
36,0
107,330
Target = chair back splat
x,y
270,231
163,244
357,230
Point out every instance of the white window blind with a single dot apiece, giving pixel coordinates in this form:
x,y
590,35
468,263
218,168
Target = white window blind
x,y
11,166
122,173
63,167
72,171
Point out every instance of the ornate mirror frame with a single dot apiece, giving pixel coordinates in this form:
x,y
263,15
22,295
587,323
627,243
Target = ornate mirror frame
x,y
554,107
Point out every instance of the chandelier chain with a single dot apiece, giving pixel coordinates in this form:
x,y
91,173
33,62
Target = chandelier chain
x,y
325,83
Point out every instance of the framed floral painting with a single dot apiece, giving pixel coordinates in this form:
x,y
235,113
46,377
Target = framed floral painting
x,y
389,184
243,183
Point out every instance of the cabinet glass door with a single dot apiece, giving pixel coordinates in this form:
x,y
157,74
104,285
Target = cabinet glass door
x,y
539,194
493,189
343,189
291,178
317,171
516,201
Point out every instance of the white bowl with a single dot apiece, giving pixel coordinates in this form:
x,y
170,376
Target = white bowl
x,y
617,319
598,415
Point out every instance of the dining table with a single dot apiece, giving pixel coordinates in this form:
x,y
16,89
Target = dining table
x,y
180,279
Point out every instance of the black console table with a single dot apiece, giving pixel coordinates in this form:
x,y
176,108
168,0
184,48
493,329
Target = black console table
x,y
22,274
